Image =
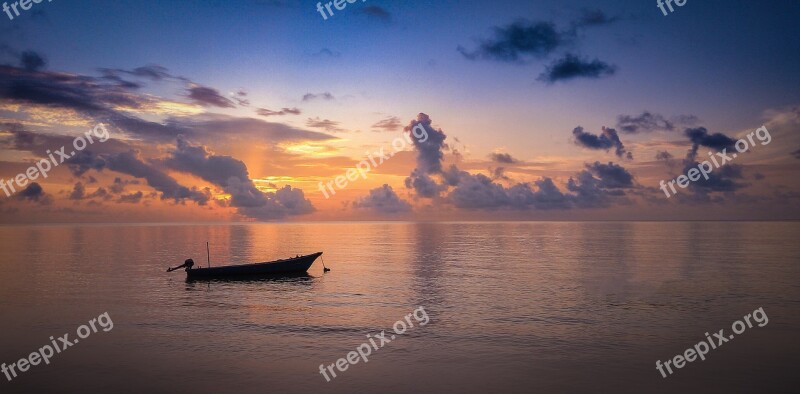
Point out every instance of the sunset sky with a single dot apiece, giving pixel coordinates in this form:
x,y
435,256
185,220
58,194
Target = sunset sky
x,y
534,110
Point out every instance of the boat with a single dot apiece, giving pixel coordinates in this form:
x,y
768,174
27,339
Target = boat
x,y
291,266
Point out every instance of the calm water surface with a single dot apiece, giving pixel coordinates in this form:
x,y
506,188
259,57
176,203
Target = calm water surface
x,y
513,307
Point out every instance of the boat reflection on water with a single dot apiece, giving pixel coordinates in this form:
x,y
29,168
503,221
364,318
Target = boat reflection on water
x,y
279,278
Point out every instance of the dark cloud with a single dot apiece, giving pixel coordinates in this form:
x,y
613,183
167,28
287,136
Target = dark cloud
x,y
323,96
100,193
59,90
129,163
571,66
796,154
599,185
701,137
119,185
504,158
97,98
34,193
112,76
429,156
517,41
153,72
646,122
667,158
430,150
499,173
283,111
547,196
84,161
132,198
480,192
382,200
726,179
606,140
663,156
232,176
209,97
89,96
32,61
611,176
391,123
78,192
423,184
377,12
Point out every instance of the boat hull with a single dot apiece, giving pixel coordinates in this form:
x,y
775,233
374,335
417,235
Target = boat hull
x,y
292,266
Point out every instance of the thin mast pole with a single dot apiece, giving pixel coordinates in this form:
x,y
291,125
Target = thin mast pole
x,y
208,255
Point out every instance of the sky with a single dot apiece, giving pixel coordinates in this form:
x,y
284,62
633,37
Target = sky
x,y
263,110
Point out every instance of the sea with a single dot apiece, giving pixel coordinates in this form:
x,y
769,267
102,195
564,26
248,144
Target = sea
x,y
509,307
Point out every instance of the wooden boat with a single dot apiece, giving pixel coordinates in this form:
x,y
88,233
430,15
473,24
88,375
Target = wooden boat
x,y
291,266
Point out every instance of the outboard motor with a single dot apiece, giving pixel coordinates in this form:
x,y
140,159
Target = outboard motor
x,y
189,263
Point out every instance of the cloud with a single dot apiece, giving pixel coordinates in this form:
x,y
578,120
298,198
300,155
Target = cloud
x,y
89,96
377,12
606,140
644,123
325,124
517,41
32,61
429,156
34,193
423,184
129,163
153,72
78,192
499,173
599,185
571,66
480,192
429,151
283,111
214,126
240,96
391,123
99,99
382,200
132,198
324,96
594,17
232,176
666,157
663,156
83,161
209,97
328,52
796,154
701,137
723,179
611,176
504,158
